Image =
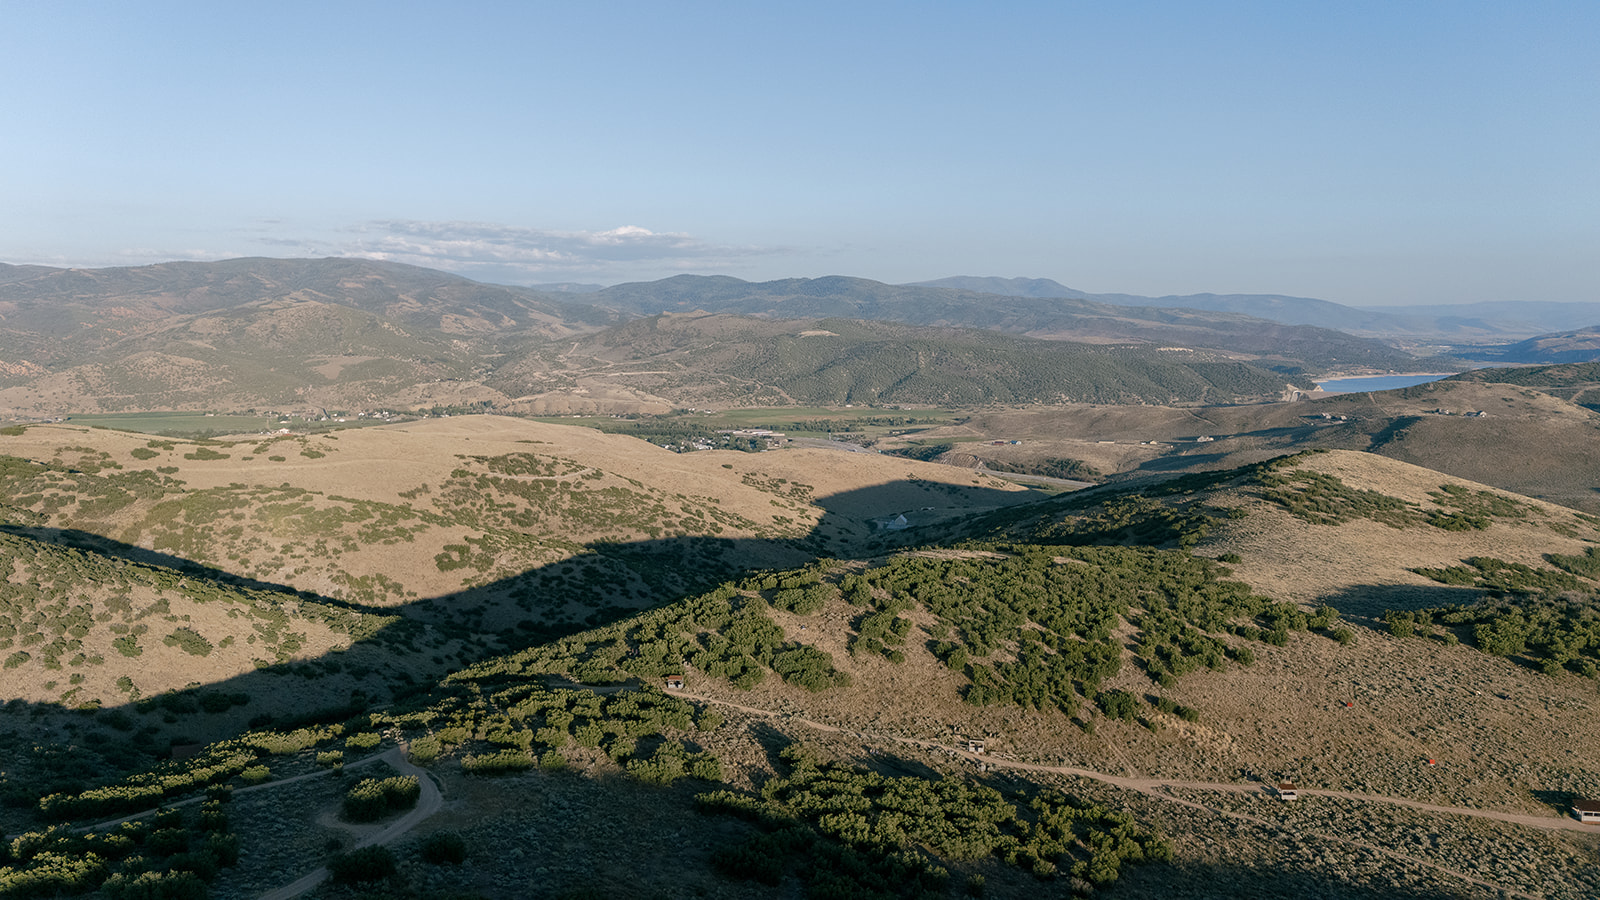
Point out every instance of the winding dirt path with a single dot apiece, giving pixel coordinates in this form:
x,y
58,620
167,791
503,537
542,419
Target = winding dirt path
x,y
427,804
1159,788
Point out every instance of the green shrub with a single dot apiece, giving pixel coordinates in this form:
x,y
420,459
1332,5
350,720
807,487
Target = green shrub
x,y
425,750
373,798
189,641
366,864
497,763
444,848
1117,704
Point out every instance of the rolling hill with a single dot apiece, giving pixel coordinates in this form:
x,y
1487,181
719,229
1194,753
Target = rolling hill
x,y
698,359
1525,440
1138,666
474,531
1474,322
1292,346
1579,346
292,335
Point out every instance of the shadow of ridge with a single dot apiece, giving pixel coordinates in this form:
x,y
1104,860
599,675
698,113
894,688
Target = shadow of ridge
x,y
431,637
111,548
1272,880
1371,601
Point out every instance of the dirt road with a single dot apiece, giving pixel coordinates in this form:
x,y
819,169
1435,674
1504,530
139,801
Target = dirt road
x,y
427,804
1159,788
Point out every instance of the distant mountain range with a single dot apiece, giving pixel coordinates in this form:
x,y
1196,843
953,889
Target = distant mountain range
x,y
1452,321
1580,346
285,333
1288,347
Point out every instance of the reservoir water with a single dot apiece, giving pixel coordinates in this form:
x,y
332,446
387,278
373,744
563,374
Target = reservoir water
x,y
1376,382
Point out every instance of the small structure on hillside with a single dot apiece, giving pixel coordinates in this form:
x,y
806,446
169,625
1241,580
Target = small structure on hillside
x,y
673,682
1587,811
974,745
1287,791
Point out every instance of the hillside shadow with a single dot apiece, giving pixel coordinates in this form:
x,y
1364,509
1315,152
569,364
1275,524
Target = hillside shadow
x,y
110,548
1269,881
1371,601
433,636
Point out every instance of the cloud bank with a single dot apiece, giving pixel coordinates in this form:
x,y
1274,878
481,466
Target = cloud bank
x,y
509,252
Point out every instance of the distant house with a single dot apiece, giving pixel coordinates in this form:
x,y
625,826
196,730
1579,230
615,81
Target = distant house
x,y
673,682
1287,791
1587,811
974,746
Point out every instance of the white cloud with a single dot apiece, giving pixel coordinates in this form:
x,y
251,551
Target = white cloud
x,y
507,251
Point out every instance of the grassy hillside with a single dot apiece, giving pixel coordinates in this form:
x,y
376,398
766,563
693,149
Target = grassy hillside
x,y
485,530
1137,664
362,335
1527,440
693,359
1058,318
1577,383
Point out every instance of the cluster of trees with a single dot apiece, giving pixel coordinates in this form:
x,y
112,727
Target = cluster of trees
x,y
1586,564
522,725
1055,467
373,798
726,633
1326,500
1045,616
173,854
1502,578
850,832
1554,633
1132,521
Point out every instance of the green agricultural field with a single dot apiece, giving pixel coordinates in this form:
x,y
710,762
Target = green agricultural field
x,y
188,424
175,422
795,421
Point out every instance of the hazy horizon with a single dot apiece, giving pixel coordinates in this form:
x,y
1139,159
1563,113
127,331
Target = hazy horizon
x,y
1365,154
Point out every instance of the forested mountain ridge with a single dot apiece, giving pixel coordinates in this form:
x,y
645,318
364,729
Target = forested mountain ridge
x,y
1444,321
692,359
1056,318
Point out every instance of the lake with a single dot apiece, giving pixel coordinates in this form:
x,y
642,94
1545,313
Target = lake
x,y
1376,382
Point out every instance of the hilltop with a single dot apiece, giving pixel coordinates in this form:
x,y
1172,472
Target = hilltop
x,y
1137,661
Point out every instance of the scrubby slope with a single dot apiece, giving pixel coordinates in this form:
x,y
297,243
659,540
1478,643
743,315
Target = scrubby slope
x,y
487,528
1164,651
1525,440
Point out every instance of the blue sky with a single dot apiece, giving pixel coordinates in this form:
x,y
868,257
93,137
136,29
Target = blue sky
x,y
1367,153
